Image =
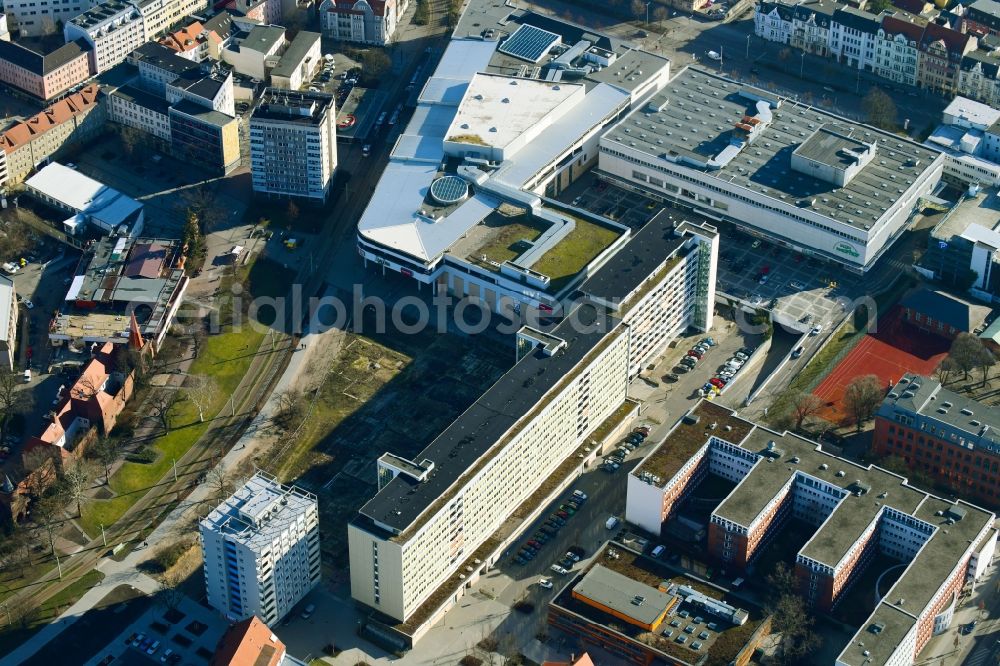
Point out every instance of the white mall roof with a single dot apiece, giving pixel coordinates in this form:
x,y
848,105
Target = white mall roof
x,y
498,109
392,218
106,206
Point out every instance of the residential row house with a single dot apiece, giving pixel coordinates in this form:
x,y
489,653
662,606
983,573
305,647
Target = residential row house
x,y
28,143
897,45
199,40
45,75
361,21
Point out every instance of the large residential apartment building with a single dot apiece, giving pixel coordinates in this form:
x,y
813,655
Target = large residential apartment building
x,y
855,512
45,75
776,168
950,438
35,18
112,29
261,550
29,143
361,21
930,52
293,144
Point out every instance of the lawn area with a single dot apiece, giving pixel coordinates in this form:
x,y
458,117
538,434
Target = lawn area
x,y
225,357
10,583
504,243
11,638
572,253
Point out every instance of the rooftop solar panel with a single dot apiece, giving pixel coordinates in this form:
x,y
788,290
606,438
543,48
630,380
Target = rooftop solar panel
x,y
529,43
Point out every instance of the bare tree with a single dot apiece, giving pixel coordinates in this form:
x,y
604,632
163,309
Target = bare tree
x,y
77,478
200,389
805,405
968,352
45,512
40,469
12,399
219,482
862,397
945,369
790,618
291,405
21,610
161,403
106,451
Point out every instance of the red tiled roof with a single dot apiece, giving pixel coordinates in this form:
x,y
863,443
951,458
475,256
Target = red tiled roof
x,y
185,39
923,35
347,6
248,643
57,114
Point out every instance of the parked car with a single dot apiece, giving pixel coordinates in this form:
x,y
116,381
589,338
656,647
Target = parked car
x,y
535,544
611,466
578,551
740,355
816,330
570,555
714,55
695,354
580,495
545,583
612,522
559,570
520,561
671,377
153,647
138,640
715,381
797,352
308,611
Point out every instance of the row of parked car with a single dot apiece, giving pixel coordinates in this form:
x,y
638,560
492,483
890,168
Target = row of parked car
x,y
693,356
550,527
726,373
613,461
149,645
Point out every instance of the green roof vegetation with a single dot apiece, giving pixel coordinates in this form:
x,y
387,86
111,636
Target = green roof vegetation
x,y
506,238
467,138
570,255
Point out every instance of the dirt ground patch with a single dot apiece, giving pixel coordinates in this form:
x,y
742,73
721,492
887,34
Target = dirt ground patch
x,y
386,393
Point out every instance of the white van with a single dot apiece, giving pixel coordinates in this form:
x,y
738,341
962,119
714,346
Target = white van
x,y
612,523
658,551
27,376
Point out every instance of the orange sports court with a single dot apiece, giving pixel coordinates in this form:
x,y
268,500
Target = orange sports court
x,y
894,349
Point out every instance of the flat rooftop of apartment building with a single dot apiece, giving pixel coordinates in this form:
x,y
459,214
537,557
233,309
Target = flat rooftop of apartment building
x,y
204,114
292,106
162,57
40,60
926,396
292,58
466,441
140,97
657,242
878,637
258,511
623,595
102,12
261,38
700,121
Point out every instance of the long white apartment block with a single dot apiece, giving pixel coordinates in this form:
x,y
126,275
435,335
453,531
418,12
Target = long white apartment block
x,y
293,144
261,550
113,29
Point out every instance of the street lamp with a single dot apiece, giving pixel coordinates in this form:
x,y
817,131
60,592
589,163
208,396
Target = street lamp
x,y
648,3
748,47
802,66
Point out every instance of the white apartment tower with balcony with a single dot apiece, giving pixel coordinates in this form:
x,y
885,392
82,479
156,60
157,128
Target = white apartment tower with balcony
x,y
261,550
293,144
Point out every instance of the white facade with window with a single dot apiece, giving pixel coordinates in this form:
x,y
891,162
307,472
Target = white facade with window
x,y
261,550
113,29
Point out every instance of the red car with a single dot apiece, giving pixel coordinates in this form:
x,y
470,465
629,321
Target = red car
x,y
765,270
563,515
694,352
715,381
642,430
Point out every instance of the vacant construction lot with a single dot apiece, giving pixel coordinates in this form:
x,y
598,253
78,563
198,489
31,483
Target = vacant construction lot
x,y
384,393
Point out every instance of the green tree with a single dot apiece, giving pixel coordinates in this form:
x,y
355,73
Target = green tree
x,y
192,237
878,6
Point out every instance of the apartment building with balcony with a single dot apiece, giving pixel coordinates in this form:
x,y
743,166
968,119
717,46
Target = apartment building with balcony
x,y
45,75
293,144
804,25
261,550
199,41
854,512
113,29
159,15
361,21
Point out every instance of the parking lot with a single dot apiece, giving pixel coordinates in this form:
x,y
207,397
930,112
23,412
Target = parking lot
x,y
803,289
190,632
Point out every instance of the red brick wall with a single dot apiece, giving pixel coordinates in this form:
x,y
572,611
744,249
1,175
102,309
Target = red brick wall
x,y
974,474
926,628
